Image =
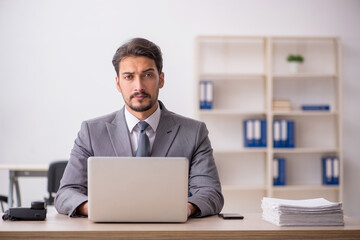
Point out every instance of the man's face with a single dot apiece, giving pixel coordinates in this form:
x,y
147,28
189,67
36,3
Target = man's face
x,y
139,82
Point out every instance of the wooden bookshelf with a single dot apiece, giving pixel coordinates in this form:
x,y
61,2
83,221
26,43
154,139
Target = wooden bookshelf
x,y
248,73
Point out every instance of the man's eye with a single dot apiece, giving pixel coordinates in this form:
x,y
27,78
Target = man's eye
x,y
128,77
148,75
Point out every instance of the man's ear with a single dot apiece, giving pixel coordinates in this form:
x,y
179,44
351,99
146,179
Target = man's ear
x,y
162,82
118,84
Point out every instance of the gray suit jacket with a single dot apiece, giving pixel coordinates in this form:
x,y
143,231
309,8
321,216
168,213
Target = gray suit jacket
x,y
176,136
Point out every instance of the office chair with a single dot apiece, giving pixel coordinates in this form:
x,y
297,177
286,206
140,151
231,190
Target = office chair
x,y
55,173
3,199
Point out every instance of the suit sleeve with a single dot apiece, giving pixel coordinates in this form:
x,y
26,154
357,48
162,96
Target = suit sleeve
x,y
73,186
204,183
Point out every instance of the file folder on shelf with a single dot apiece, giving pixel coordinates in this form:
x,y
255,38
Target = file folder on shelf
x,y
202,94
209,98
255,133
336,171
279,171
248,133
330,170
291,134
276,133
206,94
324,107
263,133
284,134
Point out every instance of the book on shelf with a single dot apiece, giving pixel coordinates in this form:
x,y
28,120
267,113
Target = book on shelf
x,y
315,107
285,109
279,171
255,133
307,212
330,170
283,134
206,94
281,105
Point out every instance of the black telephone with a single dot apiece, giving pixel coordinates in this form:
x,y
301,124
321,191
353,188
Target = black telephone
x,y
37,211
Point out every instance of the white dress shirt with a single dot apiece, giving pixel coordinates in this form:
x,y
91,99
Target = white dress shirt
x,y
152,120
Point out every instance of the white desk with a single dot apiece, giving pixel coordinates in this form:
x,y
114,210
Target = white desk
x,y
58,226
16,171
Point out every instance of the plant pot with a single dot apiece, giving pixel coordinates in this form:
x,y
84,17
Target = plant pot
x,y
293,67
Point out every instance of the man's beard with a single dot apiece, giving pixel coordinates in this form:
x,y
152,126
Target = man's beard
x,y
141,108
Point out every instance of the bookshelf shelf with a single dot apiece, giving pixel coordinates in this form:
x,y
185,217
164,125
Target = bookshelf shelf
x,y
305,188
247,74
303,75
240,151
305,150
231,112
304,113
233,76
243,188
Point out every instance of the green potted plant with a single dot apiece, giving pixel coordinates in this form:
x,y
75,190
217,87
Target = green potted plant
x,y
294,61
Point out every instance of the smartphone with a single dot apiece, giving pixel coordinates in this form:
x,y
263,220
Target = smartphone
x,y
231,216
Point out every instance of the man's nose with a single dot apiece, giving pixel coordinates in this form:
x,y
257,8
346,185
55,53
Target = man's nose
x,y
139,86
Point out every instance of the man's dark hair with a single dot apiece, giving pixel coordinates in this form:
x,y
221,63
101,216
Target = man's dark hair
x,y
138,47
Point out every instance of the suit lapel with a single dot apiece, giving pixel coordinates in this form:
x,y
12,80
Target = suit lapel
x,y
165,133
119,135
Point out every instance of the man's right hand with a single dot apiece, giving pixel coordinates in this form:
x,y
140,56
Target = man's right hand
x,y
82,209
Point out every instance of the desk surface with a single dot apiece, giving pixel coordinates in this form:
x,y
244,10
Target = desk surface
x,y
28,167
59,226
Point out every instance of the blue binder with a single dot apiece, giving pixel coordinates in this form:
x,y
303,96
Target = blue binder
x,y
248,133
315,107
336,170
291,134
206,94
263,134
284,134
209,95
330,170
202,94
276,133
279,171
255,133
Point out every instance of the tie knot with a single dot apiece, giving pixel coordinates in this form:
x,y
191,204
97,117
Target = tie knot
x,y
142,125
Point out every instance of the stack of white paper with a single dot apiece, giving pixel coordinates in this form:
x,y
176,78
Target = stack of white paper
x,y
309,212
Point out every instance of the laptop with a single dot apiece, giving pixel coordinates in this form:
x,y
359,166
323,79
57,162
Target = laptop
x,y
137,189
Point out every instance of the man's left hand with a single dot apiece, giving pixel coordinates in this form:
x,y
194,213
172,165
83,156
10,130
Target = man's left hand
x,y
191,209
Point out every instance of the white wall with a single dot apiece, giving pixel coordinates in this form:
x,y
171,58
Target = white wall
x,y
55,65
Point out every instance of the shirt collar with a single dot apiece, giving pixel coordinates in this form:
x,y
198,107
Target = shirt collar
x,y
153,120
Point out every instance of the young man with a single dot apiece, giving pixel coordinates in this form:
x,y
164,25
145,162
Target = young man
x,y
138,65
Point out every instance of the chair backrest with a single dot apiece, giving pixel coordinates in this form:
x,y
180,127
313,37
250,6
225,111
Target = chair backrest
x,y
55,173
3,199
